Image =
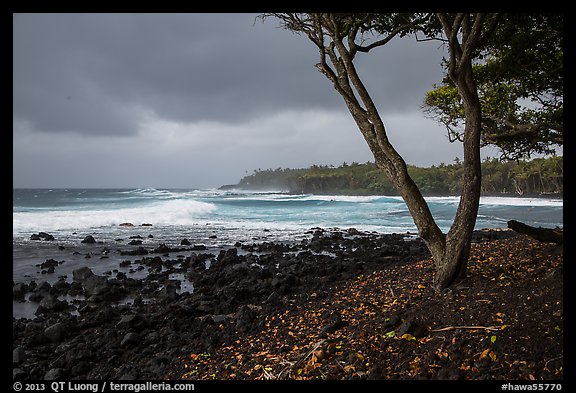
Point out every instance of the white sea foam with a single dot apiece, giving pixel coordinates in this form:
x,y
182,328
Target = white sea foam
x,y
228,208
521,201
168,212
151,193
351,198
281,197
447,200
503,201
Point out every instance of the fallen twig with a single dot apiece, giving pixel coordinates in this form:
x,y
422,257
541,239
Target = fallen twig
x,y
300,360
551,360
267,374
491,328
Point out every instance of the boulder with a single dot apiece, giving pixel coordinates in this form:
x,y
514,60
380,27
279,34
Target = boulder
x,y
228,257
80,275
39,291
162,249
220,318
412,327
54,373
130,321
18,355
170,291
245,317
273,299
41,236
95,285
89,240
52,303
46,236
18,373
130,339
54,333
49,263
19,290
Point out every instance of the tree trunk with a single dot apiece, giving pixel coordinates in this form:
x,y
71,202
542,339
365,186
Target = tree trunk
x,y
538,233
450,252
328,31
451,267
386,157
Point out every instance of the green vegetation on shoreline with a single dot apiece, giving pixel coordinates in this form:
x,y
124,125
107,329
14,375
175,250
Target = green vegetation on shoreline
x,y
535,177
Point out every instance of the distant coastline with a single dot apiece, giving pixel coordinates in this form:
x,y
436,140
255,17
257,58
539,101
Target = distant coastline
x,y
542,177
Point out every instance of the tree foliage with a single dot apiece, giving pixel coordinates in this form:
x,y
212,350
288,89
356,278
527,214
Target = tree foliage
x,y
534,177
519,76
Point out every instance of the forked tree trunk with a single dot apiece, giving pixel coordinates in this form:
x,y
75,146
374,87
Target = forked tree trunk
x,y
452,267
329,31
450,252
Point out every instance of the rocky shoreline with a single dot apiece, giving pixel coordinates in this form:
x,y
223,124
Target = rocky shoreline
x,y
115,327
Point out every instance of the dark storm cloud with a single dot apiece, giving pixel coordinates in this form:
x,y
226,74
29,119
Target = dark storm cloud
x,y
101,74
198,100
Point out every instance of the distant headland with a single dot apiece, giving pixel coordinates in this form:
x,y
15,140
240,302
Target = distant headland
x,y
537,177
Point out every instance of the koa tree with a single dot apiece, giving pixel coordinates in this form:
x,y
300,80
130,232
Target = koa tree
x,y
339,39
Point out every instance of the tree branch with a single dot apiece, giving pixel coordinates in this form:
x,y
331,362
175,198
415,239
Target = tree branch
x,y
451,31
408,25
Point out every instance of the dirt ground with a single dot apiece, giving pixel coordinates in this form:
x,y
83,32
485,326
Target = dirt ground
x,y
505,321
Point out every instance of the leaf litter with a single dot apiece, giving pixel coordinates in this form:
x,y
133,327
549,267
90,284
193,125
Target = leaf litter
x,y
503,321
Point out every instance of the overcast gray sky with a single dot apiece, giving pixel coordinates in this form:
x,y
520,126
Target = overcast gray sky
x,y
198,101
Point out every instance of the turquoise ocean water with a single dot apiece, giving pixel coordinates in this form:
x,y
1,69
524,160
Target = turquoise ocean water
x,y
217,218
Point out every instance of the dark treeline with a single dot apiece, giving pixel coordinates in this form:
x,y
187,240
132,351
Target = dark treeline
x,y
534,177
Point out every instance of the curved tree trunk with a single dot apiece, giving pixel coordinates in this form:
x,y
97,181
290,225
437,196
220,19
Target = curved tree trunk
x,y
453,265
464,34
335,35
450,253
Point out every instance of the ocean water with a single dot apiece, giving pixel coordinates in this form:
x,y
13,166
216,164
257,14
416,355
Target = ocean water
x,y
216,219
